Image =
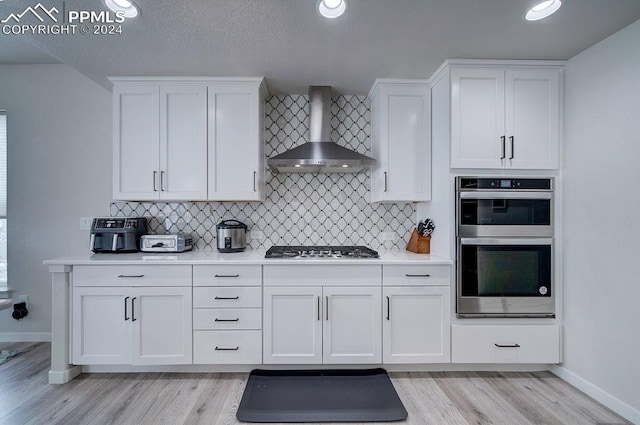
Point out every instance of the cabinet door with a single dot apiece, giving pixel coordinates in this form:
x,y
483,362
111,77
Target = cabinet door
x,y
162,331
351,330
101,328
135,142
183,142
477,118
532,118
236,163
401,132
292,325
416,325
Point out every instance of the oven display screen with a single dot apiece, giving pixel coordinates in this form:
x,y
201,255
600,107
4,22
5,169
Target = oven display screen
x,y
505,183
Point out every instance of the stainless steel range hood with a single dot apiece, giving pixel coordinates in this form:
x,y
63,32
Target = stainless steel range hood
x,y
320,154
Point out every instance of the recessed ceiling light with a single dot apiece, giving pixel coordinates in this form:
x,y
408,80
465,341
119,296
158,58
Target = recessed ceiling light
x,y
541,9
128,9
332,8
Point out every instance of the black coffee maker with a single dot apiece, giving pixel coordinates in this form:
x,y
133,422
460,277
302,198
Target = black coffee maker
x,y
117,234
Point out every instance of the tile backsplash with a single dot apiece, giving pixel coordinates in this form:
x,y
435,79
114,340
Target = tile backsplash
x,y
300,209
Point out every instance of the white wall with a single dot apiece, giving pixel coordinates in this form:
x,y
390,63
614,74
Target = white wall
x,y
59,169
602,221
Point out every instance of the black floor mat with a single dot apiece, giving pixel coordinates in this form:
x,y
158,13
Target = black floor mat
x,y
320,396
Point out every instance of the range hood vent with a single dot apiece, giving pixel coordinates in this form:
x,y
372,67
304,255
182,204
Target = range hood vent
x,y
320,154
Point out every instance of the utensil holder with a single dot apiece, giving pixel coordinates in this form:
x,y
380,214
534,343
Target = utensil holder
x,y
418,243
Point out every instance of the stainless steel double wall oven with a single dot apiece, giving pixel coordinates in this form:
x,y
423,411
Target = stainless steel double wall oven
x,y
504,234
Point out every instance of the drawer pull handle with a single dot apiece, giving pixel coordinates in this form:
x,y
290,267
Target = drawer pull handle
x,y
227,298
226,320
130,276
507,345
227,348
417,275
227,275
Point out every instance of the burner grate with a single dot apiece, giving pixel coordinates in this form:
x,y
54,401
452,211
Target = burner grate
x,y
320,251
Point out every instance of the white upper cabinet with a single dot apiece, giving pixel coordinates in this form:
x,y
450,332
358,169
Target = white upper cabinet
x,y
136,137
505,116
183,142
160,141
188,139
236,141
401,140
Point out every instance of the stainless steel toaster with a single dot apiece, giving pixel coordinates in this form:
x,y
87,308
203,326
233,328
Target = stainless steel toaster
x,y
166,243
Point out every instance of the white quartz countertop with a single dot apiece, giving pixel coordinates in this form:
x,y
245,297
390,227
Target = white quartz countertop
x,y
245,257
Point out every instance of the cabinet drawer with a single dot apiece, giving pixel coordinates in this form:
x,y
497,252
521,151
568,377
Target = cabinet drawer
x,y
227,347
227,296
152,275
227,318
323,275
505,344
410,275
227,275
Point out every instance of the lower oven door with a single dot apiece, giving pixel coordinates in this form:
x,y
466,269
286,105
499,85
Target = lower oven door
x,y
505,277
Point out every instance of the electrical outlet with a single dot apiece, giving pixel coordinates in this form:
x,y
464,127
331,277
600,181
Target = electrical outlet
x,y
85,223
256,235
388,236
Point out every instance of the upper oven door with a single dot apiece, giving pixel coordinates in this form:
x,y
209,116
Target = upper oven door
x,y
493,213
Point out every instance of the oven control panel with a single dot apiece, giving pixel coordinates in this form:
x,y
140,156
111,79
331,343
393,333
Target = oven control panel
x,y
492,183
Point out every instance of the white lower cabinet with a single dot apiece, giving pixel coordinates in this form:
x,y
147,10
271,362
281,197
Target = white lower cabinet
x,y
227,314
416,324
132,325
227,347
315,325
506,344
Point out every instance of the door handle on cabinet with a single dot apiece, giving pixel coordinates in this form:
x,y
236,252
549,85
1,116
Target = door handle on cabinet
x,y
385,181
388,308
133,309
512,153
226,320
125,309
227,298
318,307
327,307
155,181
504,147
130,276
227,275
227,348
417,275
507,345
162,181
255,173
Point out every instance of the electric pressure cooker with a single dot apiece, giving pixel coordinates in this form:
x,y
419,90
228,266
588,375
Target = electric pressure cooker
x,y
231,236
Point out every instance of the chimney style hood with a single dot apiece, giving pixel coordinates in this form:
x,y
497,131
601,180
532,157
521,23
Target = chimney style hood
x,y
320,154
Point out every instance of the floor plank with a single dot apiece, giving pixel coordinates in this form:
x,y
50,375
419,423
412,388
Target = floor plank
x,y
438,398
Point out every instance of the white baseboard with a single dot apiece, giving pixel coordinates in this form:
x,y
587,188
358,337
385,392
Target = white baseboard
x,y
621,408
25,336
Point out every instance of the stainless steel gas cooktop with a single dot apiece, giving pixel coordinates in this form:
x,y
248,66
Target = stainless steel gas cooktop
x,y
321,251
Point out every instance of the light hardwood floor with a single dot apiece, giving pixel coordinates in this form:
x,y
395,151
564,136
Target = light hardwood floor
x,y
210,398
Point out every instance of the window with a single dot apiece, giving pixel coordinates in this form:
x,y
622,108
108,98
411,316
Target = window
x,y
3,201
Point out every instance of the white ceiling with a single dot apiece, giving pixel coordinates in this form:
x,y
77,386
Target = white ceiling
x,y
291,45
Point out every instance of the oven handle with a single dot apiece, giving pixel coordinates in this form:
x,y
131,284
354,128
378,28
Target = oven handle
x,y
506,241
505,195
